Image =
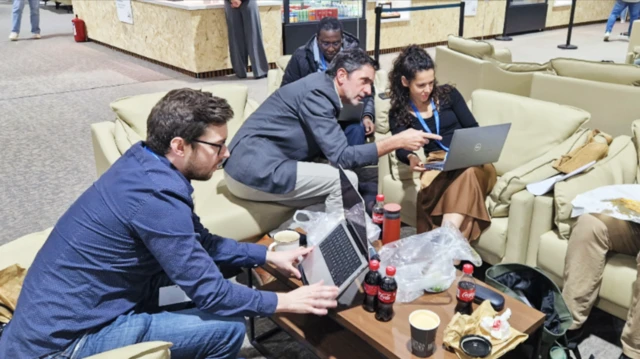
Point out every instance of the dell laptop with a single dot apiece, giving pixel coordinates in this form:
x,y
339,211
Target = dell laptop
x,y
473,146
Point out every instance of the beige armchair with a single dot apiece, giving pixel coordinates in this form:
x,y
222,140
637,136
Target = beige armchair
x,y
472,65
23,250
552,223
460,63
540,133
633,53
274,77
219,210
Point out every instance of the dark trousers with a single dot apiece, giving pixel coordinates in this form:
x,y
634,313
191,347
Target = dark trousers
x,y
245,38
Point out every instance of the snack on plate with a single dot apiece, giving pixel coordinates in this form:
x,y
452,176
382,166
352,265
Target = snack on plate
x,y
627,203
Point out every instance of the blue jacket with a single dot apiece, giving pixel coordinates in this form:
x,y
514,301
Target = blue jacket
x,y
135,222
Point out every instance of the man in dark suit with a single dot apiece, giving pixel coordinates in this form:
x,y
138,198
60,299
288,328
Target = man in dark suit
x,y
273,153
315,56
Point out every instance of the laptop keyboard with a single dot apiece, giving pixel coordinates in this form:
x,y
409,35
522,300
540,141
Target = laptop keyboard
x,y
340,255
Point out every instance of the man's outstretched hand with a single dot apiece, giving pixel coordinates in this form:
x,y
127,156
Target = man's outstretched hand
x,y
286,261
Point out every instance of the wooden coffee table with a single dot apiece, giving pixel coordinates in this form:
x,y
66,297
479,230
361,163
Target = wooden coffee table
x,y
371,338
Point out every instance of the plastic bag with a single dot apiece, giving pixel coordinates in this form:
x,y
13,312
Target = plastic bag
x,y
425,261
318,225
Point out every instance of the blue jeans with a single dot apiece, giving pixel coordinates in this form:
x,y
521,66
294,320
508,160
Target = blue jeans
x,y
354,131
618,8
18,6
194,334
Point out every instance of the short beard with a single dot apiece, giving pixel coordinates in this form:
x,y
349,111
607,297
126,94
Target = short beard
x,y
195,174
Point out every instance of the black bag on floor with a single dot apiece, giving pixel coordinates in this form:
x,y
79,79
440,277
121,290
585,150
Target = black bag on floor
x,y
532,287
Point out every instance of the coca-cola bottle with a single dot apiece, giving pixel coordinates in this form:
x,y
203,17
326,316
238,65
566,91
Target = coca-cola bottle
x,y
466,290
378,211
387,296
371,285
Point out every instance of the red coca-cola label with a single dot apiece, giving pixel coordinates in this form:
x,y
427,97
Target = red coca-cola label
x,y
386,297
370,289
466,295
378,218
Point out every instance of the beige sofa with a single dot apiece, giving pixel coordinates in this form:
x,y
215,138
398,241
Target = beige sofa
x,y
219,210
551,226
540,133
274,76
633,53
582,84
461,61
23,250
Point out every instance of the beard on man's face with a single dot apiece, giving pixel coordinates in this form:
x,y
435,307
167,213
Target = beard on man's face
x,y
192,172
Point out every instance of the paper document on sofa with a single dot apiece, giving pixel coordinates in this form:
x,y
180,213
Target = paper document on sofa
x,y
542,187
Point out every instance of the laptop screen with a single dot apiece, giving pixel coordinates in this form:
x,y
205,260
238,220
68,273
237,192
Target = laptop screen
x,y
354,211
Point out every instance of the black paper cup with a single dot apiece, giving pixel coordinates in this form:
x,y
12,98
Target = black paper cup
x,y
424,326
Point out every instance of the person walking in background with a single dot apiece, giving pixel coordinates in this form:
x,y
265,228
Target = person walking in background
x,y
618,8
245,37
18,6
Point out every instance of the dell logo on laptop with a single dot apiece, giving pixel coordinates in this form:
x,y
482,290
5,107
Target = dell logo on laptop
x,y
478,147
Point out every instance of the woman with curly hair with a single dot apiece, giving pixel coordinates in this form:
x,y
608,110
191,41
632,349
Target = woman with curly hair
x,y
417,101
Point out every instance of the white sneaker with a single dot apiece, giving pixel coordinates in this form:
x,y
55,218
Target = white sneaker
x,y
606,36
35,36
13,36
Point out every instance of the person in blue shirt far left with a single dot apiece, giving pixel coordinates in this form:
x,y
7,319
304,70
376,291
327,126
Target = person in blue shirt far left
x,y
94,284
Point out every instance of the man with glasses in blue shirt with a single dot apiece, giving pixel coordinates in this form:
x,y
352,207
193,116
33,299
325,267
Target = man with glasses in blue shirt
x,y
315,56
94,285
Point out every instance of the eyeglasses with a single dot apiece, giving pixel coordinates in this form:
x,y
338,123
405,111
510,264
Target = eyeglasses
x,y
326,45
219,147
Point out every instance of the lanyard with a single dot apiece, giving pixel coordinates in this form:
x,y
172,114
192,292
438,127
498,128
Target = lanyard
x,y
424,124
323,62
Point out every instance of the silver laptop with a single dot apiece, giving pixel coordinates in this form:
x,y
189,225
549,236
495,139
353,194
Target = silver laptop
x,y
342,256
473,146
350,112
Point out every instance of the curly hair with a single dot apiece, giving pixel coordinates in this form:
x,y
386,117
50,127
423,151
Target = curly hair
x,y
412,60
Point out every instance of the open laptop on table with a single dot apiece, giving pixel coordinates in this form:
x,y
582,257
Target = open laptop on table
x,y
473,146
351,112
342,256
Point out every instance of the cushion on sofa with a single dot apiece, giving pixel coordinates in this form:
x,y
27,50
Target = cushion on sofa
x,y
536,126
125,136
283,61
23,250
622,74
516,180
382,106
619,167
523,66
135,110
475,48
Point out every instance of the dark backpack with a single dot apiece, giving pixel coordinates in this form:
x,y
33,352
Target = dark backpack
x,y
533,287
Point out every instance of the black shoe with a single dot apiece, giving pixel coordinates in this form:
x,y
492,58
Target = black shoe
x,y
622,356
260,77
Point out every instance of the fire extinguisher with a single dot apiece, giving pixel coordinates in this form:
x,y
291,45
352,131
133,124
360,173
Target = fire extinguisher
x,y
79,30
